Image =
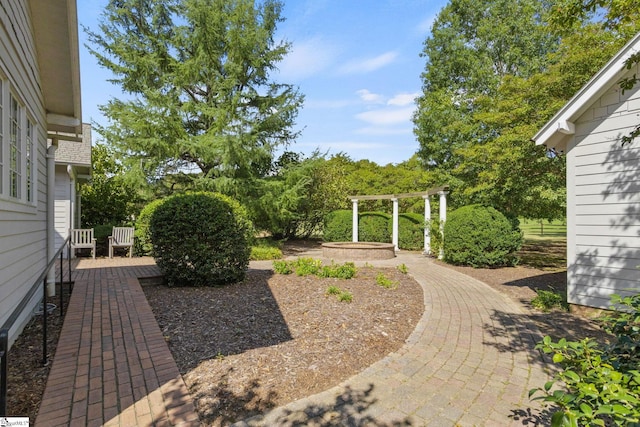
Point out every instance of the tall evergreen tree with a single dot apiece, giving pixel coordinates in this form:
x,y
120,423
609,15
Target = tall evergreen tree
x,y
200,97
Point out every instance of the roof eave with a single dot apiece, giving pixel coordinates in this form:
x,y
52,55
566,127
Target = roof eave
x,y
556,132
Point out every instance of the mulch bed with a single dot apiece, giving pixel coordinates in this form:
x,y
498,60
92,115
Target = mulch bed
x,y
272,339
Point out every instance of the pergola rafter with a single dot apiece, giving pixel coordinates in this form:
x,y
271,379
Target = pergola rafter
x,y
440,191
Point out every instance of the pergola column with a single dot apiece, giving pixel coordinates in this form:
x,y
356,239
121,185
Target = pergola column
x,y
427,227
355,220
443,219
394,229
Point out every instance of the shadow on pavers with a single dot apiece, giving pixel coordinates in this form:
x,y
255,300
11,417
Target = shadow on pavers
x,y
348,409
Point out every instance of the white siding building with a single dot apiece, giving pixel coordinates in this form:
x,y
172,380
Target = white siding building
x,y
73,168
603,183
39,98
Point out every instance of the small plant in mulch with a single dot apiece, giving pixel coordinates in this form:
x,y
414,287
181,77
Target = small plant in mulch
x,y
333,290
402,268
310,266
345,296
549,300
385,282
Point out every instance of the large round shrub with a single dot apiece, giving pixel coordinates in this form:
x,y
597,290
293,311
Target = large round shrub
x,y
374,227
480,236
338,226
201,239
143,245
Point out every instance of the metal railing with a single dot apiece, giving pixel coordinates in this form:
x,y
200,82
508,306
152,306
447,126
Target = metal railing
x,y
15,315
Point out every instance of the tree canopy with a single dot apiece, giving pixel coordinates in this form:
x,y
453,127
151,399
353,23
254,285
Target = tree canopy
x,y
494,74
200,100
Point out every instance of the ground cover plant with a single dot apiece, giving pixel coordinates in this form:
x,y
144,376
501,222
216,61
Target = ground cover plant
x,y
600,382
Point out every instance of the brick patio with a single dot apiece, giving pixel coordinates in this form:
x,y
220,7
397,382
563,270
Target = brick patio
x,y
112,366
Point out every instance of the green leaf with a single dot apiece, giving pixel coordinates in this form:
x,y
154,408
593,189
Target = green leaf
x,y
558,357
586,409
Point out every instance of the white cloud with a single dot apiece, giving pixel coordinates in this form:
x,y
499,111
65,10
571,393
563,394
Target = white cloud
x,y
387,116
381,131
307,58
370,97
360,66
403,99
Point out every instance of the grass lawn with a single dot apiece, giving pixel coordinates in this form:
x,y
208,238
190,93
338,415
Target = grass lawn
x,y
543,229
545,244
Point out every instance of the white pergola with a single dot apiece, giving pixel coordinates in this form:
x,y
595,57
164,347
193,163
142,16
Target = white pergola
x,y
440,191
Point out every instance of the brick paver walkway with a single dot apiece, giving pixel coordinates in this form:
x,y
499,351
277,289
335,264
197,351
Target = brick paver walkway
x,y
112,366
470,362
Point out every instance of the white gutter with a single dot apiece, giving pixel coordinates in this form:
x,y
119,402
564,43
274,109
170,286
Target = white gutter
x,y
51,230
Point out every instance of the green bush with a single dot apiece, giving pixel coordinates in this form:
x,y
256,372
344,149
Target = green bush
x,y
549,300
338,226
435,237
313,267
601,382
263,253
201,239
101,233
374,227
266,249
143,245
410,231
480,236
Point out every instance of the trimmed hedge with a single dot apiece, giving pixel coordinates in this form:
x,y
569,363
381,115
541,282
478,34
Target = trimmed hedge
x,y
201,239
410,231
480,236
338,226
374,227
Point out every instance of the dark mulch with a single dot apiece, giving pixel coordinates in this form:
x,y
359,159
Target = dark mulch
x,y
272,339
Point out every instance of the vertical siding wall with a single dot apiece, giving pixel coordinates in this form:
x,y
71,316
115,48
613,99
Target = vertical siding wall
x,y
603,201
22,225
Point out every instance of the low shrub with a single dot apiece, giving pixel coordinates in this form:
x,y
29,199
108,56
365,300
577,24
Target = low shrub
x,y
339,271
201,239
374,227
266,249
282,267
385,282
480,236
310,266
345,296
338,226
601,382
549,300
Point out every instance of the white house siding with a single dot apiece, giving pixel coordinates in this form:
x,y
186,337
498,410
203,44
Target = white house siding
x,y
62,205
603,201
22,225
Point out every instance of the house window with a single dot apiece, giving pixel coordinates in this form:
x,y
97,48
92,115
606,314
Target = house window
x,y
15,149
18,147
29,160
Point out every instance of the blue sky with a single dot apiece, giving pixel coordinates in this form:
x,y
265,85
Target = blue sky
x,y
356,61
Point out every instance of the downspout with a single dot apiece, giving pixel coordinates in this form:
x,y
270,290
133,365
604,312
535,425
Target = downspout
x,y
51,229
72,199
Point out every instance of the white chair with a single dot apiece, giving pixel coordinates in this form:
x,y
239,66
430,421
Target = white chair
x,y
82,238
121,237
